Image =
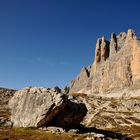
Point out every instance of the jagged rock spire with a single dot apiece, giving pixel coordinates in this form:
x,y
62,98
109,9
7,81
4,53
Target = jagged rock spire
x,y
121,40
113,44
131,34
102,50
98,51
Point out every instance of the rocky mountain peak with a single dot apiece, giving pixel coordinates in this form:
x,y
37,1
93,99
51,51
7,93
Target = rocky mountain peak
x,y
131,34
102,50
113,44
115,66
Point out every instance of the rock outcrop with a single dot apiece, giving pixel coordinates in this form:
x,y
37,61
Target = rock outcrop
x,y
81,80
111,91
5,96
42,107
121,114
116,65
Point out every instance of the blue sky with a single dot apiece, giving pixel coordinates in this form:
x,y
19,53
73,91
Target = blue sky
x,y
47,42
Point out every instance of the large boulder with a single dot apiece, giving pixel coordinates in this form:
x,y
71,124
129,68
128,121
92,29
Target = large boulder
x,y
42,107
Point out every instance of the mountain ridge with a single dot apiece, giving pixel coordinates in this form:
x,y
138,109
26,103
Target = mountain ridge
x,y
115,65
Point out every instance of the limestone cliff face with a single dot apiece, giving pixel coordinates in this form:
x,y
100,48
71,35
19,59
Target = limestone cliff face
x,y
116,65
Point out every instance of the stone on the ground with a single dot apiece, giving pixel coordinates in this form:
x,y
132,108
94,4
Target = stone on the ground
x,y
38,107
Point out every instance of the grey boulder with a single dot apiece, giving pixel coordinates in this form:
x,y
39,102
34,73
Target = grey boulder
x,y
43,107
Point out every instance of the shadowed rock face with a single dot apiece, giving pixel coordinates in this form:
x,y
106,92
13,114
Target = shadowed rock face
x,y
115,66
38,107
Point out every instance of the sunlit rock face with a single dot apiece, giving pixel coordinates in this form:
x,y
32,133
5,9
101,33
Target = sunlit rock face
x,y
42,107
116,65
111,89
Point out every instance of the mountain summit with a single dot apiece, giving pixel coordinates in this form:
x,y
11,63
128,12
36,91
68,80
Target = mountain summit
x,y
115,66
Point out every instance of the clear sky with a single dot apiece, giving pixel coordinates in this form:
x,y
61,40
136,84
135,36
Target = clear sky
x,y
47,42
